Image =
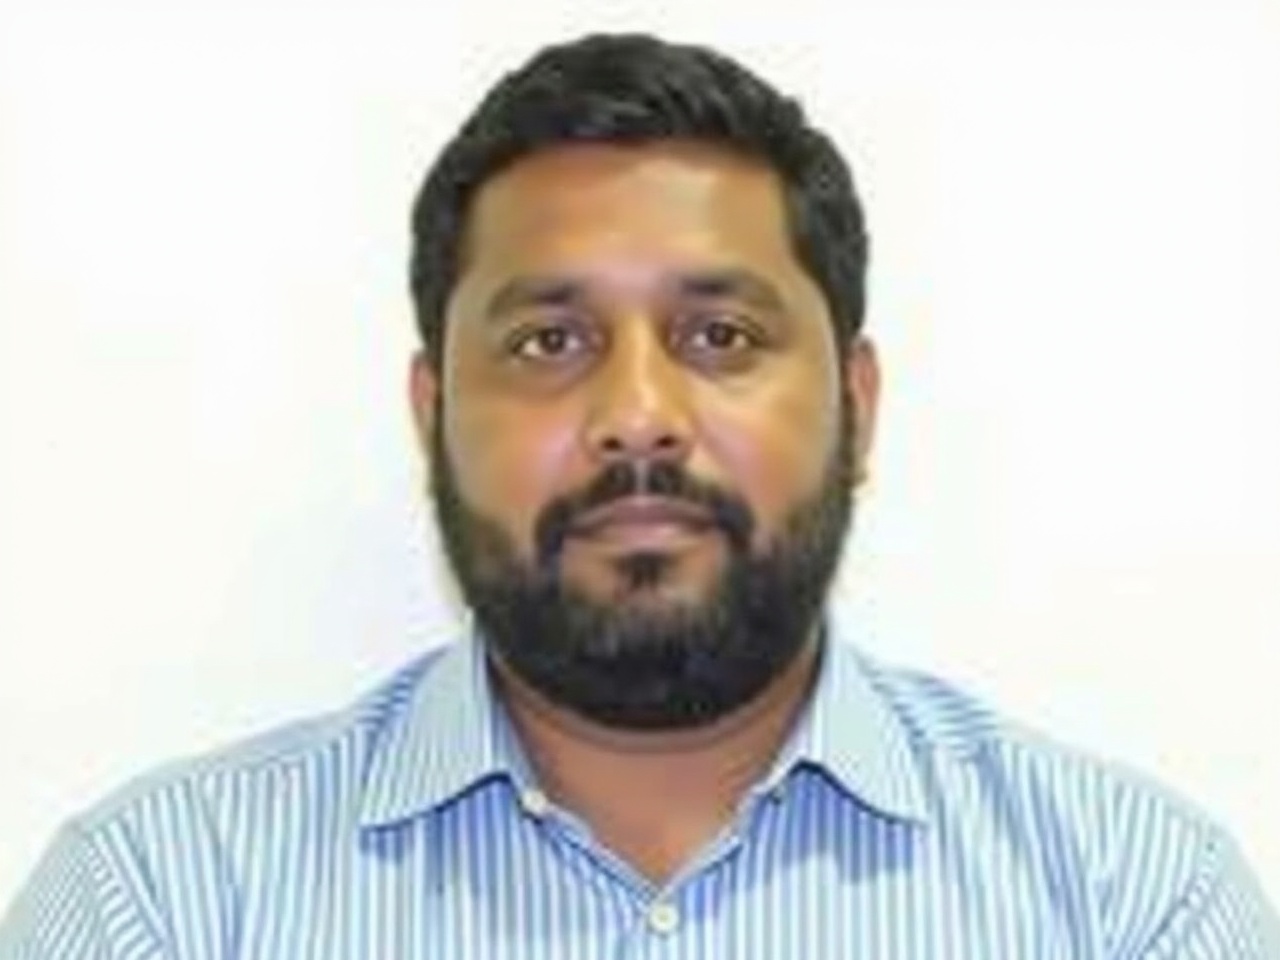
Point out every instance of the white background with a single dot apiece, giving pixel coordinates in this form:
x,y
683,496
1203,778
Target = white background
x,y
210,514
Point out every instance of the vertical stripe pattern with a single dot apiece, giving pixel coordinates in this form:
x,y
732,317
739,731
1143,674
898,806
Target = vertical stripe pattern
x,y
902,821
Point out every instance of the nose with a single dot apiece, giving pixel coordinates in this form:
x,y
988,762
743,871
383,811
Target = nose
x,y
639,405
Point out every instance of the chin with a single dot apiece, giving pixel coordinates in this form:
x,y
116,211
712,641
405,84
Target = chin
x,y
652,580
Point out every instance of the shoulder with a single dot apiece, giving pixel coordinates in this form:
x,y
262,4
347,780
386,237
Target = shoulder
x,y
142,851
962,739
310,747
1134,850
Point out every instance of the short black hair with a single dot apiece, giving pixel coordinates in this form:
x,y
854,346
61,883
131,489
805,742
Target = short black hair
x,y
636,88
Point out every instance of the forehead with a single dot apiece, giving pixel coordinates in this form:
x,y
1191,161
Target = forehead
x,y
673,201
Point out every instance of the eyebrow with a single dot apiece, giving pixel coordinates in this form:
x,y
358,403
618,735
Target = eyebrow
x,y
559,291
520,293
731,283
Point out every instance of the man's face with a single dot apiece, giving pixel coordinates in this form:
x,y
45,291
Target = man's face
x,y
642,430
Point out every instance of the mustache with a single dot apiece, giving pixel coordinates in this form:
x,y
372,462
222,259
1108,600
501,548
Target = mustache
x,y
628,478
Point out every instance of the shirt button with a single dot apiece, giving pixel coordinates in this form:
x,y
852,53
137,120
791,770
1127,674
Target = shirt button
x,y
534,802
663,918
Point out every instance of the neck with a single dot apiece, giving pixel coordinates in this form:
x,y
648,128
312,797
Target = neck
x,y
655,797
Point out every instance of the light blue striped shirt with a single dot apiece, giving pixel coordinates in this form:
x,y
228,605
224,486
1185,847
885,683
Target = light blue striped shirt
x,y
902,821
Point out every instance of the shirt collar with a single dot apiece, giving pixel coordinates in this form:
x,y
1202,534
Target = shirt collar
x,y
851,732
452,734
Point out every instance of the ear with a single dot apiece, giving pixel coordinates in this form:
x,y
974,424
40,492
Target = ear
x,y
424,387
862,381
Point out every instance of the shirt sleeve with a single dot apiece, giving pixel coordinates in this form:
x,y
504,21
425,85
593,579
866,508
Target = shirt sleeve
x,y
76,906
1223,915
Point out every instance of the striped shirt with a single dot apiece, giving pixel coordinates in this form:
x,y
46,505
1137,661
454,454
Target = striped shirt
x,y
901,821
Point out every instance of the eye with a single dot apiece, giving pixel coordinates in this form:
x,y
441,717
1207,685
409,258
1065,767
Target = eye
x,y
719,333
550,341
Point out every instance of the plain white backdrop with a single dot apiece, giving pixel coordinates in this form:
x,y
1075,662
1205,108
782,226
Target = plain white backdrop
x,y
211,517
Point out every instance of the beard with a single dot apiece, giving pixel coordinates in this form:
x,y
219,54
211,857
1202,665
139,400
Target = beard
x,y
649,665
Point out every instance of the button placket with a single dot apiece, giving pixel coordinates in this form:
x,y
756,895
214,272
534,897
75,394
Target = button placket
x,y
535,803
662,917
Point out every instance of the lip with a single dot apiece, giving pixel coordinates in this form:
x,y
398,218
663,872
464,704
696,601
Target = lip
x,y
644,513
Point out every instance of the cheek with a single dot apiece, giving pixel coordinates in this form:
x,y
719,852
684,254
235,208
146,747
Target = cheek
x,y
509,459
774,446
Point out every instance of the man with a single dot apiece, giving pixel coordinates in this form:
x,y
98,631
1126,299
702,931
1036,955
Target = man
x,y
647,401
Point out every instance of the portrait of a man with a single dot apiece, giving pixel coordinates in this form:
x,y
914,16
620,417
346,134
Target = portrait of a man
x,y
646,397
